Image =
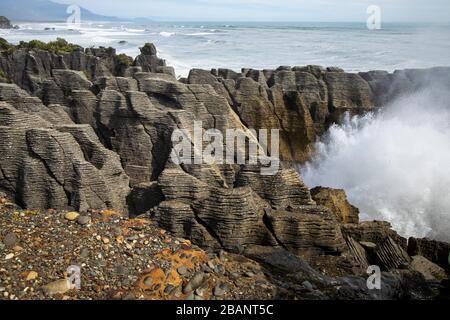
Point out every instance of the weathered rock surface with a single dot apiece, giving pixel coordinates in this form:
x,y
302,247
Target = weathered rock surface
x,y
391,256
336,201
435,251
358,252
308,229
49,166
428,269
374,232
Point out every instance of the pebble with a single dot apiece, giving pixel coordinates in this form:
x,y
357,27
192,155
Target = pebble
x,y
249,274
116,231
220,290
32,275
222,256
219,269
84,220
105,240
84,253
148,281
182,270
169,289
57,287
200,291
194,283
9,256
10,240
71,216
307,285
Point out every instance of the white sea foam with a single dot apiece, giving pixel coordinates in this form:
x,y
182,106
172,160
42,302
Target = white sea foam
x,y
394,165
166,34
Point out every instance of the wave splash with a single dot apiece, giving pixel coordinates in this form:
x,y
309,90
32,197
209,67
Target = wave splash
x,y
394,164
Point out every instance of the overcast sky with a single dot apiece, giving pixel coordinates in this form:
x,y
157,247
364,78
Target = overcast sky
x,y
272,10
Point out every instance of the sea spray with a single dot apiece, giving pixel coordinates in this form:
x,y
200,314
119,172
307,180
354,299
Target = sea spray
x,y
394,164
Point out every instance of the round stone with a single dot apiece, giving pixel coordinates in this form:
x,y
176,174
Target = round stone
x,y
10,240
84,220
71,216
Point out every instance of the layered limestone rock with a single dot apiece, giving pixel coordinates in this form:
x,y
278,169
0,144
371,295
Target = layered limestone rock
x,y
307,230
373,232
303,101
391,256
387,87
31,67
435,251
358,252
428,269
336,201
299,101
57,165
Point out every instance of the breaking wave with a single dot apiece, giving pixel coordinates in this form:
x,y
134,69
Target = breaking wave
x,y
394,164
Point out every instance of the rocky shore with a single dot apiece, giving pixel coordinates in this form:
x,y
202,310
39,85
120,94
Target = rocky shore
x,y
88,132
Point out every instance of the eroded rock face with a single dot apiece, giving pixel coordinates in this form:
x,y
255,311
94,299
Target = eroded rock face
x,y
48,166
428,269
374,232
300,101
308,229
336,201
435,251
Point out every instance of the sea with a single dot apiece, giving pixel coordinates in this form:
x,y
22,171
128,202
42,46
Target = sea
x,y
259,45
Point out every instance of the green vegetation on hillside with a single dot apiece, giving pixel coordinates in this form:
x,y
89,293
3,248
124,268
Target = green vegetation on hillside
x,y
5,45
58,46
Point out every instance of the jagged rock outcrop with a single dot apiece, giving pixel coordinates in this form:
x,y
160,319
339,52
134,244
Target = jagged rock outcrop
x,y
55,164
358,252
428,269
150,62
336,201
435,251
390,255
387,87
307,230
303,101
374,232
31,67
46,170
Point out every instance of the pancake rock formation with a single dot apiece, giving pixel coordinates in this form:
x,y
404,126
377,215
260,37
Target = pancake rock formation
x,y
88,129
